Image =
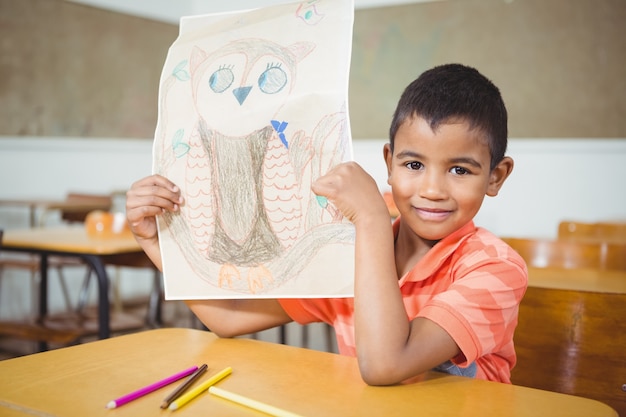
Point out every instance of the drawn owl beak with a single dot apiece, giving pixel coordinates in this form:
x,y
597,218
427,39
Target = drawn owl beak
x,y
241,93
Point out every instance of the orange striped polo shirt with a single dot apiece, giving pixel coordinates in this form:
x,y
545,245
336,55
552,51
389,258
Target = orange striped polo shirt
x,y
470,283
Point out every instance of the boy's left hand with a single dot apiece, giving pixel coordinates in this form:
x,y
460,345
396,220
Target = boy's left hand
x,y
352,191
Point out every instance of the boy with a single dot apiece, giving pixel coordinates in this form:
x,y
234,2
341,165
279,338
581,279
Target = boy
x,y
431,290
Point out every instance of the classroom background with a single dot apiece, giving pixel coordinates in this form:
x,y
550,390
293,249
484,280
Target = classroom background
x,y
79,85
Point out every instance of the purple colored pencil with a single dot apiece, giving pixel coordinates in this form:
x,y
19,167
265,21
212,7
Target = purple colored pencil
x,y
152,387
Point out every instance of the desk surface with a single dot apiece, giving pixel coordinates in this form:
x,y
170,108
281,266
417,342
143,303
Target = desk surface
x,y
69,239
81,380
52,204
591,280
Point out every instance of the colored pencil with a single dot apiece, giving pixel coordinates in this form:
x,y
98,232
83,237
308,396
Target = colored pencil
x,y
185,398
250,403
183,387
152,387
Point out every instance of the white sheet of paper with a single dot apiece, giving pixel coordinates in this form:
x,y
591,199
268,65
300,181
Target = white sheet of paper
x,y
252,109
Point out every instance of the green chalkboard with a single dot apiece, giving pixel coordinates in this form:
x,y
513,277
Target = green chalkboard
x,y
73,70
560,64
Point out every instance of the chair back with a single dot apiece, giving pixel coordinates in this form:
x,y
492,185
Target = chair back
x,y
573,342
602,231
542,253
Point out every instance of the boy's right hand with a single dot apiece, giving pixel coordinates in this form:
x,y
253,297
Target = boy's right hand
x,y
353,192
147,198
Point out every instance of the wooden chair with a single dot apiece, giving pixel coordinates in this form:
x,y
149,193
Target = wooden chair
x,y
573,342
542,253
570,341
34,331
602,231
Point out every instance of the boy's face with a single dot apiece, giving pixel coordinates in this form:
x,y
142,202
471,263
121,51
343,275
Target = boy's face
x,y
439,179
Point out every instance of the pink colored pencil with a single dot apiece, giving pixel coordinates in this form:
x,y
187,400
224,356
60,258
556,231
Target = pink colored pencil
x,y
152,387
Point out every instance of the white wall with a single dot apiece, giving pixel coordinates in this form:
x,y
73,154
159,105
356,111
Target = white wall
x,y
553,179
558,179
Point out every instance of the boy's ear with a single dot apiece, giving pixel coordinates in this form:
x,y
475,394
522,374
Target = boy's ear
x,y
388,155
498,175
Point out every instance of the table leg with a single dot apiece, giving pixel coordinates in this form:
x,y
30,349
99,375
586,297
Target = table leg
x,y
43,287
104,330
43,295
154,306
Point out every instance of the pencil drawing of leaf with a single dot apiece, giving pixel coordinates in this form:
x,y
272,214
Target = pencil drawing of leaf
x,y
180,148
322,201
180,73
308,12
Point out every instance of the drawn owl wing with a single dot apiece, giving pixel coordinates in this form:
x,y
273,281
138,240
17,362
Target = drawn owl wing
x,y
330,141
198,210
281,196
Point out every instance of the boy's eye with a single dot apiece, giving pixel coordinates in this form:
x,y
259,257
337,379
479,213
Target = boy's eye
x,y
459,171
414,165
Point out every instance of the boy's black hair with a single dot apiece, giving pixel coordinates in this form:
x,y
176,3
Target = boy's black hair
x,y
455,91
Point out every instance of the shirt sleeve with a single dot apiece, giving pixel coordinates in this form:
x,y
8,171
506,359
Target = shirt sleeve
x,y
326,310
479,310
295,308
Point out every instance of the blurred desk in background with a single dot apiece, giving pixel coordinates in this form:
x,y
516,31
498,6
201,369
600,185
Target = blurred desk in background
x,y
579,279
74,241
571,334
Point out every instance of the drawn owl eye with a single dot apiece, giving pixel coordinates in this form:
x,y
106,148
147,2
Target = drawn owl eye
x,y
273,79
221,79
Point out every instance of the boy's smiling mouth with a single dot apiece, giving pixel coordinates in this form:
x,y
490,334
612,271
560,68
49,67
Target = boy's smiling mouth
x,y
432,214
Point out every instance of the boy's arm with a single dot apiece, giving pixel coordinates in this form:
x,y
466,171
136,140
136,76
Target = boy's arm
x,y
154,195
229,318
390,348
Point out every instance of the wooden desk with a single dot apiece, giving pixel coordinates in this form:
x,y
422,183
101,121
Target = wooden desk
x,y
74,242
81,380
591,280
571,334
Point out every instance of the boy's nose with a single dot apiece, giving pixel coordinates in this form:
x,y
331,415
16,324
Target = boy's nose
x,y
432,186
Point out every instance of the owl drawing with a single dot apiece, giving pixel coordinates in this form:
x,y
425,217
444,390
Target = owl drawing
x,y
247,193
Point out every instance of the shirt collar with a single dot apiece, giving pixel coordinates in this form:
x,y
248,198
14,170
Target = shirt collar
x,y
438,254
